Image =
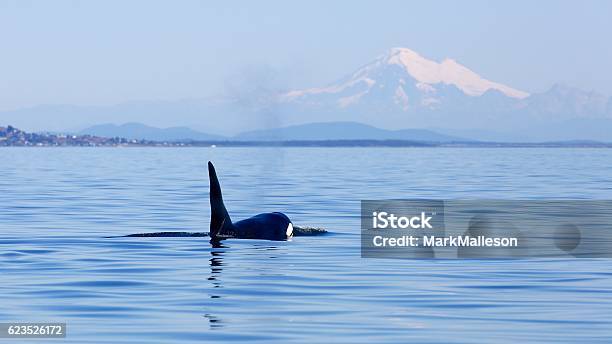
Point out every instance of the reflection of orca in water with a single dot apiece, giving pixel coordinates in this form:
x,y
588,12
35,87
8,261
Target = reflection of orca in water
x,y
269,226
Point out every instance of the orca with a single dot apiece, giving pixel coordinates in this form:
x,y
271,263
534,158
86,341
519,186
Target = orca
x,y
268,226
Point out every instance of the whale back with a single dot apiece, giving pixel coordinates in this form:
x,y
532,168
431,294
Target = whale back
x,y
268,226
220,221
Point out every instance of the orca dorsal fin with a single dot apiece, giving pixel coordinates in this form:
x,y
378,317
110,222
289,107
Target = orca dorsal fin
x,y
219,218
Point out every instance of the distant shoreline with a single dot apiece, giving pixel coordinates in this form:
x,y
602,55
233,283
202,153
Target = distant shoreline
x,y
323,144
13,137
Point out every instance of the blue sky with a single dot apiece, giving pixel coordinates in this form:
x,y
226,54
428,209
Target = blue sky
x,y
105,52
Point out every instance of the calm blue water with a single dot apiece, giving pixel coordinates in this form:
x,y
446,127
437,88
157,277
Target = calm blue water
x,y
57,206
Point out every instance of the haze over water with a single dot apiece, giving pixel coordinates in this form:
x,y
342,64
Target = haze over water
x,y
59,205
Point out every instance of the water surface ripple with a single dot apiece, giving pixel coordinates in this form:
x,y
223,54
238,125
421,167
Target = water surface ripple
x,y
58,205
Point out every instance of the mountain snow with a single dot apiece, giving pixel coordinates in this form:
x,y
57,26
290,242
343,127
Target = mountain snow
x,y
422,73
448,72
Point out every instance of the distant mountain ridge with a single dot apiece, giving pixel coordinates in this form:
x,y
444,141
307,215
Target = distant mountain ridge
x,y
139,131
304,132
345,131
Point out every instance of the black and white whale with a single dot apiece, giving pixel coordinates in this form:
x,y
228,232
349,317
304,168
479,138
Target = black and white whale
x,y
268,226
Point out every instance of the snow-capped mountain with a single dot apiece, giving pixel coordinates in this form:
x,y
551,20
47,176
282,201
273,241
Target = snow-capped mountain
x,y
402,81
406,90
401,71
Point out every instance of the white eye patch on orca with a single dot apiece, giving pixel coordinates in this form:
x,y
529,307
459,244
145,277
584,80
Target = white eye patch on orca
x,y
289,230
